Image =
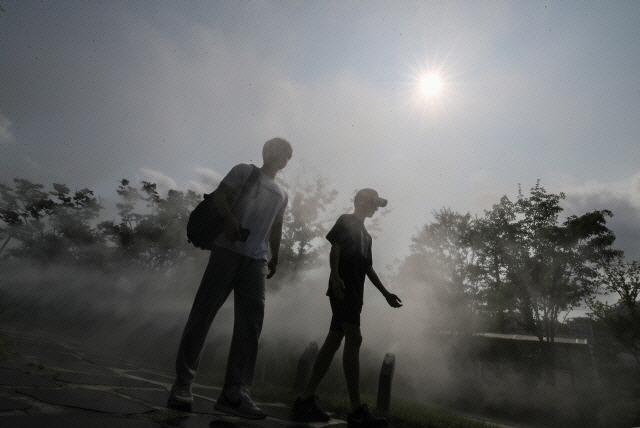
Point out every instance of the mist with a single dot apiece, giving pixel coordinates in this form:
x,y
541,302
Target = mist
x,y
121,303
127,306
138,316
177,95
121,296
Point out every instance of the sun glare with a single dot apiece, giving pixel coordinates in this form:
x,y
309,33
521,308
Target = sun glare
x,y
430,84
431,87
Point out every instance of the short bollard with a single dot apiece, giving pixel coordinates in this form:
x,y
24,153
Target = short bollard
x,y
304,366
384,386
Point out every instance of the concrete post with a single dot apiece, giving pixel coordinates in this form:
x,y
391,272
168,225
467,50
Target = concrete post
x,y
384,385
304,366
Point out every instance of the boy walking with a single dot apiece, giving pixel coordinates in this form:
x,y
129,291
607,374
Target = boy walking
x,y
350,261
237,263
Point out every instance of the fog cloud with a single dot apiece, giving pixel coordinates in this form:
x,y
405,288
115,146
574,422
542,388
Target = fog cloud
x,y
622,198
163,182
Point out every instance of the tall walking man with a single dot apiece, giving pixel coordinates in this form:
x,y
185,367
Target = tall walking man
x,y
240,265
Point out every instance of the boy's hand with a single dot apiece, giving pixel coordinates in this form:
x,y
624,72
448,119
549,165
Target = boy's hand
x,y
272,265
393,300
337,285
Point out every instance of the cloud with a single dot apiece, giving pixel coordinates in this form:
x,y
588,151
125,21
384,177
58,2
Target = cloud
x,y
622,198
6,136
163,181
206,182
208,176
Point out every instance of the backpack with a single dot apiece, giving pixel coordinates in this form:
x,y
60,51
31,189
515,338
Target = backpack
x,y
205,223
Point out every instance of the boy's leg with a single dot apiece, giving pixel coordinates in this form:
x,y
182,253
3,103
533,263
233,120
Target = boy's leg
x,y
249,291
360,415
215,287
322,362
306,408
351,361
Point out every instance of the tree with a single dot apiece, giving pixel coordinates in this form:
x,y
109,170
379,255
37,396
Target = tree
x,y
621,320
72,234
156,238
493,239
304,226
163,231
22,209
440,260
516,266
51,225
122,232
553,267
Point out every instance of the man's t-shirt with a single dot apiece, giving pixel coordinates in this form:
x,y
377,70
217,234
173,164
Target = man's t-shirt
x,y
355,255
256,210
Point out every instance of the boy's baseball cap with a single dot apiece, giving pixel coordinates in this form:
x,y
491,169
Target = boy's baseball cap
x,y
370,195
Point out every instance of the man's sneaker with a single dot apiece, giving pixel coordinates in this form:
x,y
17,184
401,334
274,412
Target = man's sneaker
x,y
180,398
308,411
242,407
362,417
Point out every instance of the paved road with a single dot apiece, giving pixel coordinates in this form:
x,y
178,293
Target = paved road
x,y
45,383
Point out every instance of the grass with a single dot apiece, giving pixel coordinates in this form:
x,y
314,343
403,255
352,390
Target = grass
x,y
402,413
273,383
407,414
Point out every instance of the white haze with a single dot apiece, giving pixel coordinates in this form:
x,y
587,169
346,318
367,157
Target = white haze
x,y
88,304
178,93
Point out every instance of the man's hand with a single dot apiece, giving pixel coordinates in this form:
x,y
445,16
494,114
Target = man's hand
x,y
393,300
272,265
232,229
337,285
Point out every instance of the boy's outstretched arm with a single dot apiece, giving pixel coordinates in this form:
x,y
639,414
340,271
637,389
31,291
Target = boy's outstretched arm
x,y
275,237
393,300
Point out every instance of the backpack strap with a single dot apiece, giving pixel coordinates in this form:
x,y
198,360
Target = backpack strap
x,y
254,177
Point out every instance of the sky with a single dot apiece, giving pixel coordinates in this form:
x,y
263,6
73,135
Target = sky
x,y
179,92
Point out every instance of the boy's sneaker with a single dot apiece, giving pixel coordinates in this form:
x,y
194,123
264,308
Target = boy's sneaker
x,y
180,398
308,411
362,417
242,407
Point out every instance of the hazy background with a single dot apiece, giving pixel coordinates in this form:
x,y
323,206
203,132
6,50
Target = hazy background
x,y
176,93
179,92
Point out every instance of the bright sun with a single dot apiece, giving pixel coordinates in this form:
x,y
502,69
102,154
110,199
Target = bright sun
x,y
430,84
431,88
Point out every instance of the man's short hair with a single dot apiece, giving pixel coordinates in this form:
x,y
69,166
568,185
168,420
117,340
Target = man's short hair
x,y
276,144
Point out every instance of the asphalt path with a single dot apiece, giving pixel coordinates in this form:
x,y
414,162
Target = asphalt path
x,y
51,383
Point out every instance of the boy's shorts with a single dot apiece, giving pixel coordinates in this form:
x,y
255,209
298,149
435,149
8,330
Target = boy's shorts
x,y
346,310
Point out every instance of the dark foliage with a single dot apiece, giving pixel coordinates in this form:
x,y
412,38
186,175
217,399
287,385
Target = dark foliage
x,y
516,268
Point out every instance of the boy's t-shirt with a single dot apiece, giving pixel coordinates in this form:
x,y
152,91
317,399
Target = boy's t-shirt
x,y
256,210
355,255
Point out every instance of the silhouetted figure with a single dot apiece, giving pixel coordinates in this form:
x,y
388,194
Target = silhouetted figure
x,y
350,261
241,266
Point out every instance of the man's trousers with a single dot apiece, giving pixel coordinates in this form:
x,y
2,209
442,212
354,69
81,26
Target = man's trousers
x,y
225,272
